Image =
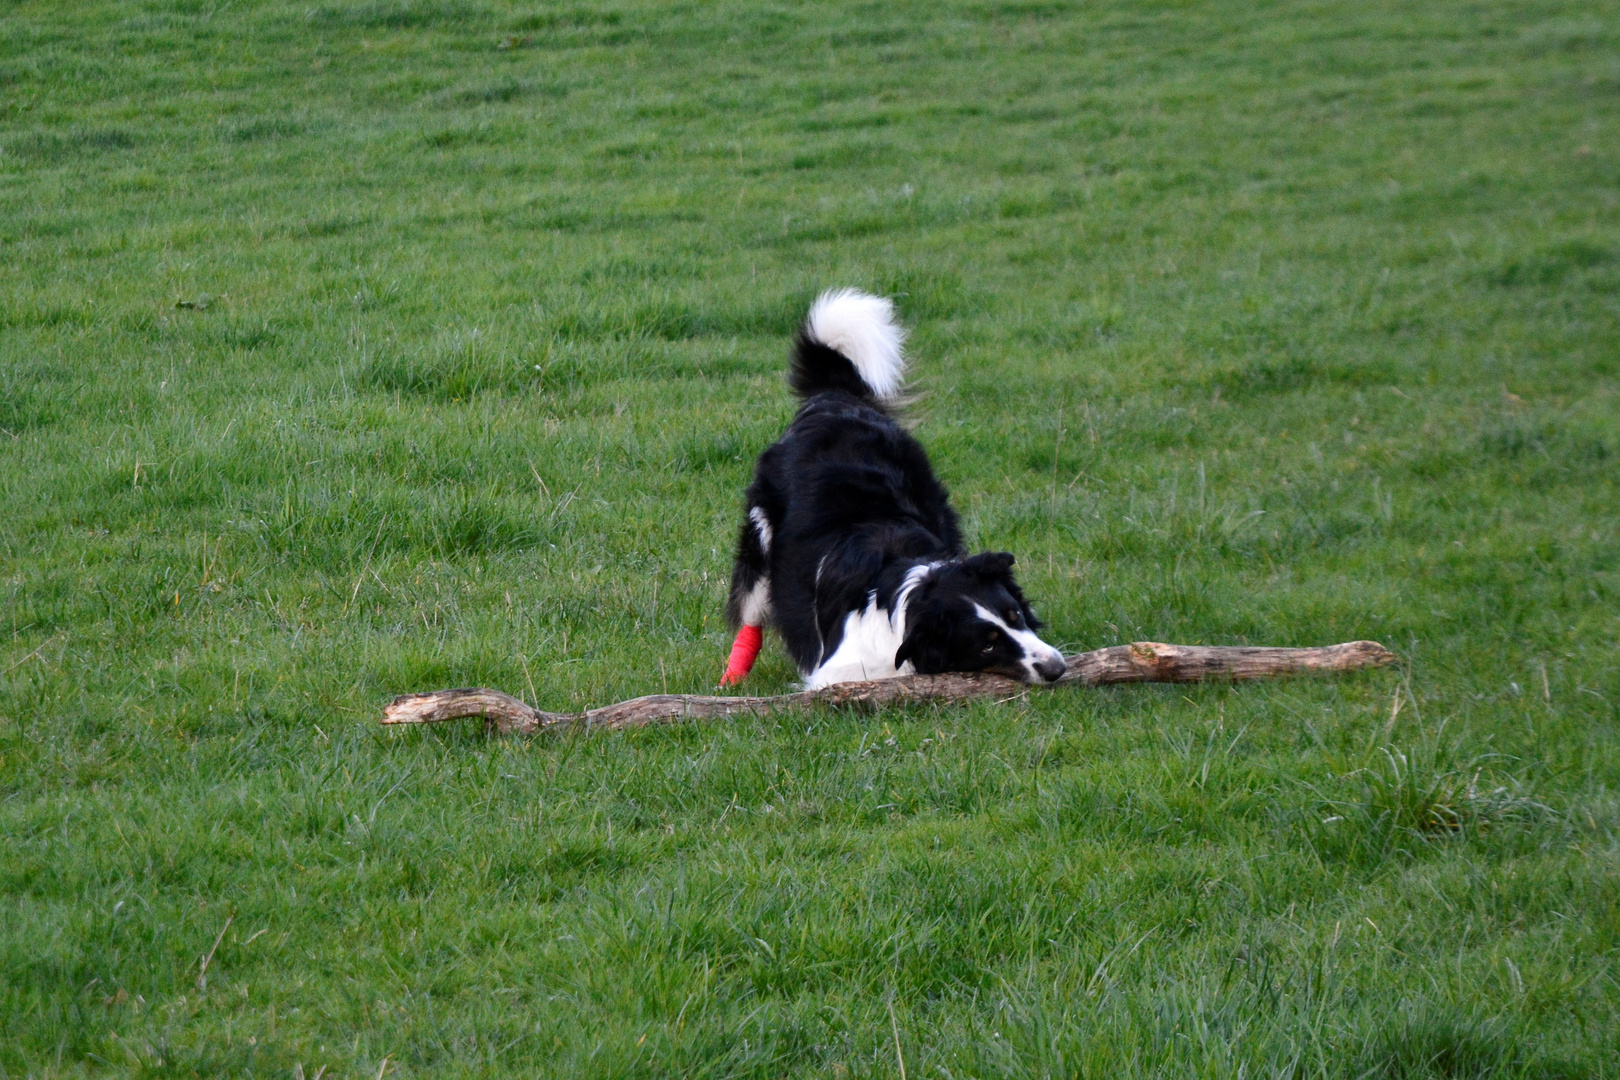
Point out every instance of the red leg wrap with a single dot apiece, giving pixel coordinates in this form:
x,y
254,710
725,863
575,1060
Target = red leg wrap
x,y
743,653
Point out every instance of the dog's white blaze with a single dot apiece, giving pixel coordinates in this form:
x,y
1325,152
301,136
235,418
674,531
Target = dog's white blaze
x,y
762,528
756,606
861,327
1035,650
871,638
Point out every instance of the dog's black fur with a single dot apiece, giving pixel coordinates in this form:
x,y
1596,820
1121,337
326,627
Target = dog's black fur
x,y
859,561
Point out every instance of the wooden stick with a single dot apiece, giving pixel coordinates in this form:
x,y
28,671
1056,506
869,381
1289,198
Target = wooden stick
x,y
1140,661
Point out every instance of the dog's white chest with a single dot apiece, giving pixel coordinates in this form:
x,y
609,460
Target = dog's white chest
x,y
866,651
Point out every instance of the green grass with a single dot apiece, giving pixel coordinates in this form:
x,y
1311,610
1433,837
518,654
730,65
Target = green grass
x,y
355,348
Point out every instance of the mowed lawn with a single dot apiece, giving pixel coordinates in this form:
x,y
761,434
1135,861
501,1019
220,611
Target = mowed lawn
x,y
353,348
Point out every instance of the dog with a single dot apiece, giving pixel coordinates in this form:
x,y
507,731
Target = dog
x,y
849,546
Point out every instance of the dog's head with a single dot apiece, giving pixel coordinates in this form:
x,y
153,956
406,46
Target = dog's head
x,y
969,615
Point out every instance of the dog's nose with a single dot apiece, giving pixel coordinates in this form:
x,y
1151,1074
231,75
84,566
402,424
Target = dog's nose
x,y
1051,668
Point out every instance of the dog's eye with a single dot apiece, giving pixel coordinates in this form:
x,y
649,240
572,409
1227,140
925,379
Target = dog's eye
x,y
1015,617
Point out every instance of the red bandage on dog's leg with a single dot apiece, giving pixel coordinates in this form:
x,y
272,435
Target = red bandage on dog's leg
x,y
743,653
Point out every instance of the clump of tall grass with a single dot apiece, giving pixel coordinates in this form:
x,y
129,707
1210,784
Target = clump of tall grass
x,y
1434,1041
1428,792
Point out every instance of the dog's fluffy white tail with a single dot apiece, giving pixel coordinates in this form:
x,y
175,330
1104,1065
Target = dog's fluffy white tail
x,y
861,328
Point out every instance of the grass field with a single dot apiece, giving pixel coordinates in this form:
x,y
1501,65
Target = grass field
x,y
351,348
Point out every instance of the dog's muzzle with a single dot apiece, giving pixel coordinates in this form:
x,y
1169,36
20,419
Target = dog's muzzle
x,y
1050,668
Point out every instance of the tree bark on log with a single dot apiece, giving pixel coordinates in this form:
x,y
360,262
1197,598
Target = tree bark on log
x,y
1140,661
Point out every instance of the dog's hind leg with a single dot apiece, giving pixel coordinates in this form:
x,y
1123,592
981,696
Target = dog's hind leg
x,y
750,601
749,606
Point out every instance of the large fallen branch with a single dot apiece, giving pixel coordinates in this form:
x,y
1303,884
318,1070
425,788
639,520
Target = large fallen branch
x,y
1140,661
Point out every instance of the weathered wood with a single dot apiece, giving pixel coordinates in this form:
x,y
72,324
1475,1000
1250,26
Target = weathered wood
x,y
1140,661
1150,661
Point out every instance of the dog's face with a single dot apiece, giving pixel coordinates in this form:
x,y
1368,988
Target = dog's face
x,y
971,616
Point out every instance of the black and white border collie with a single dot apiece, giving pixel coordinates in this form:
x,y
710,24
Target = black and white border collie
x,y
849,545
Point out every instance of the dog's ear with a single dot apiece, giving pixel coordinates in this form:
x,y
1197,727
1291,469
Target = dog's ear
x,y
997,566
1030,619
925,650
990,565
